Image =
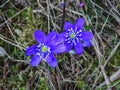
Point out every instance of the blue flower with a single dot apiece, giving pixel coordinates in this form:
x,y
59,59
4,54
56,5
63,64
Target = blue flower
x,y
75,36
82,4
46,48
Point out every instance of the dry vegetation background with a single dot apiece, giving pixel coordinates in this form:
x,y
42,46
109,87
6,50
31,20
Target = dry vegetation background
x,y
97,69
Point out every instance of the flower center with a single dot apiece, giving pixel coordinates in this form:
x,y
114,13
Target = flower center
x,y
72,35
44,48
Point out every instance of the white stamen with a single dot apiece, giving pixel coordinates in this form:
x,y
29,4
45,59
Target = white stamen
x,y
49,50
66,35
80,35
71,28
77,32
38,54
75,28
74,42
80,30
68,29
39,45
77,40
38,49
42,44
66,39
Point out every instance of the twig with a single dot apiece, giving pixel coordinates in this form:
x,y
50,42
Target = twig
x,y
105,76
13,16
112,78
64,12
112,53
4,3
12,43
48,14
11,32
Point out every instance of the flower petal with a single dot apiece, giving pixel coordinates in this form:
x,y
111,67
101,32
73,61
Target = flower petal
x,y
51,36
68,25
79,48
87,35
58,40
35,60
87,43
52,61
62,36
80,23
59,49
31,50
39,36
68,47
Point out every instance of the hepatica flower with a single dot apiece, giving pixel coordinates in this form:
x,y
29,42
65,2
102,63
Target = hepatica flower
x,y
82,4
46,48
75,36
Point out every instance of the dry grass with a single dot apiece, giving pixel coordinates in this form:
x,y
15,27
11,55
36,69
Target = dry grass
x,y
97,69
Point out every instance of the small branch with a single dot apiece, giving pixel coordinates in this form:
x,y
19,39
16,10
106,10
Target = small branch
x,y
4,3
112,78
112,53
63,18
105,76
13,16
